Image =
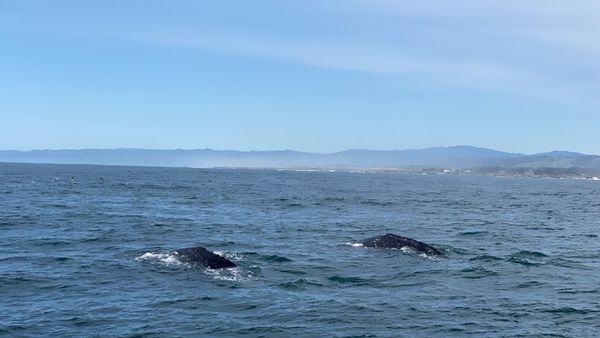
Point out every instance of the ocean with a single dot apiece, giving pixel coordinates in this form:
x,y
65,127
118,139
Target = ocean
x,y
85,251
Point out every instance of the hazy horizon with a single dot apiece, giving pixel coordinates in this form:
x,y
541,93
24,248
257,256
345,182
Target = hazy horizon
x,y
295,150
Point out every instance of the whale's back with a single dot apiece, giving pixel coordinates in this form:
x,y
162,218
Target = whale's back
x,y
398,242
201,256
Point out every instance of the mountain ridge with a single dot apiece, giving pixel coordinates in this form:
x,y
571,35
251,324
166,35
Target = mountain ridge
x,y
459,156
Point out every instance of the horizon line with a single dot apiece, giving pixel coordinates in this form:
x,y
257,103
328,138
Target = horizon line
x,y
292,150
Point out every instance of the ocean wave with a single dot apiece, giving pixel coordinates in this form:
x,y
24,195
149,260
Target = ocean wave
x,y
522,261
293,272
356,245
298,284
294,205
180,301
474,233
527,258
569,310
526,253
568,263
276,258
377,203
578,291
530,284
334,199
477,272
486,258
348,280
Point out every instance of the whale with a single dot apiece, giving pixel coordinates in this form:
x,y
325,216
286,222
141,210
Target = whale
x,y
397,242
200,256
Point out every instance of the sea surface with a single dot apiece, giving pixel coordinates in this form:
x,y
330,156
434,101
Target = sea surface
x,y
84,251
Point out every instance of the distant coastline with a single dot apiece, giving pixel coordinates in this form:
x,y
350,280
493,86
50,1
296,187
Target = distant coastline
x,y
547,173
531,173
455,158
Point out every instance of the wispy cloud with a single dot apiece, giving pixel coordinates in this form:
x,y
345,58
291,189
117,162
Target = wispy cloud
x,y
353,56
483,45
509,46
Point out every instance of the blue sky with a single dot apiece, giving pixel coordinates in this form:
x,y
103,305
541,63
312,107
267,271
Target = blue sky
x,y
318,76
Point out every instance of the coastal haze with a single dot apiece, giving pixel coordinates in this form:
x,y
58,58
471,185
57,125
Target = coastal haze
x,y
456,157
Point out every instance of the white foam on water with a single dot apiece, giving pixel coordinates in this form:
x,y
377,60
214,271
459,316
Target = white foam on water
x,y
168,259
235,274
404,249
230,255
430,257
407,250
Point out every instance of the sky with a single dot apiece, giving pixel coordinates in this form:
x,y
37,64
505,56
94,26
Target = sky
x,y
319,76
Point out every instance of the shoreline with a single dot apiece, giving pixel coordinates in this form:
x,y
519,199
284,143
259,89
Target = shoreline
x,y
574,173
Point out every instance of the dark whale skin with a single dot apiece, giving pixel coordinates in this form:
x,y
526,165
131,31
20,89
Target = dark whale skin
x,y
201,256
397,242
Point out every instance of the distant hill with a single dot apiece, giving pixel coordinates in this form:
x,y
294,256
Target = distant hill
x,y
557,153
456,156
547,160
447,157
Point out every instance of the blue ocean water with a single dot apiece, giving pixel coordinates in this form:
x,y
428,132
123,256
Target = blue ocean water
x,y
84,250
